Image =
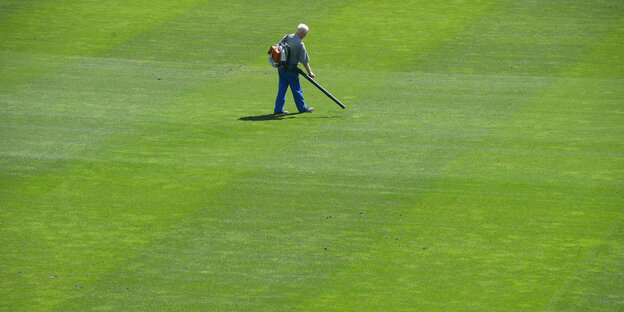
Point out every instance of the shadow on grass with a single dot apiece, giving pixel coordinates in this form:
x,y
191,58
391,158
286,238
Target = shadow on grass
x,y
263,117
278,117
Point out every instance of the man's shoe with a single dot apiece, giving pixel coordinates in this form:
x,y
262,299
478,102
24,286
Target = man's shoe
x,y
309,110
281,113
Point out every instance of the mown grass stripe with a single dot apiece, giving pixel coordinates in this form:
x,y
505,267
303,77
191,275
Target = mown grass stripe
x,y
449,202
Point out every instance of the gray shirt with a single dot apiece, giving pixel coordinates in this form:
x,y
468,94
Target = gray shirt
x,y
298,51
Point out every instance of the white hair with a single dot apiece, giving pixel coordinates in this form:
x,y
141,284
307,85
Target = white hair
x,y
302,28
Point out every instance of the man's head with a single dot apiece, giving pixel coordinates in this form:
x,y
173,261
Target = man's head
x,y
302,30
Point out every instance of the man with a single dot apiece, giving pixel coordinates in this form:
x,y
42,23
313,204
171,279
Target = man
x,y
297,54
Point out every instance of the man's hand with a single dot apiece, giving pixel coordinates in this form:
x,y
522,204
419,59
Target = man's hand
x,y
307,67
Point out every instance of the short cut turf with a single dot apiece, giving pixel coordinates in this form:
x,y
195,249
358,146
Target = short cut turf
x,y
478,166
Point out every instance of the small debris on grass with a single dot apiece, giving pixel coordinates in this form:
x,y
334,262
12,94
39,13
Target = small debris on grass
x,y
325,248
362,213
425,248
53,276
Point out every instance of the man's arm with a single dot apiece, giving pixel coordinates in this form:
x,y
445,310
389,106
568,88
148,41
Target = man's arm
x,y
307,67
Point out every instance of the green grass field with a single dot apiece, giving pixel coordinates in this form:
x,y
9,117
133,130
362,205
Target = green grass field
x,y
479,165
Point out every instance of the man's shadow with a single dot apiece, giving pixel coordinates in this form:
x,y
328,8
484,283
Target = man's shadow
x,y
266,117
278,117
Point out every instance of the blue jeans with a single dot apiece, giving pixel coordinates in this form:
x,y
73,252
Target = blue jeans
x,y
289,78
